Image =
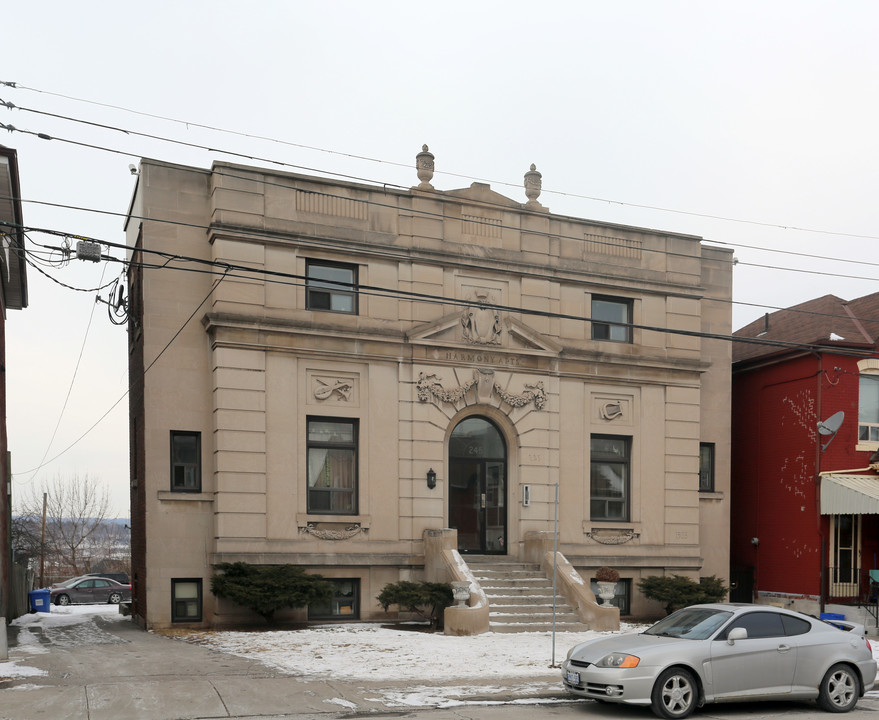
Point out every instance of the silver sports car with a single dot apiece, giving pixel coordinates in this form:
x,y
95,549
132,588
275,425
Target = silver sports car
x,y
722,651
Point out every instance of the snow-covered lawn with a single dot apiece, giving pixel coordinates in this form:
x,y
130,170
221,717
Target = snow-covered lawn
x,y
373,652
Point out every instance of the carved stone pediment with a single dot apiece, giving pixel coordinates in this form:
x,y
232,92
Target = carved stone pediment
x,y
508,334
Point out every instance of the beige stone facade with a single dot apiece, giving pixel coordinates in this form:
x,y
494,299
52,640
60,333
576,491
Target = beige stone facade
x,y
319,343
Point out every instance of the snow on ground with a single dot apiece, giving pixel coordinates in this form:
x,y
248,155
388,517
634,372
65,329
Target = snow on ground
x,y
373,652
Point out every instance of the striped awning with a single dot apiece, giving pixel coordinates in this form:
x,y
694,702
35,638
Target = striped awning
x,y
850,495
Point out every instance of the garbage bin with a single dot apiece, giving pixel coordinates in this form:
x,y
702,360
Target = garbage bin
x,y
40,600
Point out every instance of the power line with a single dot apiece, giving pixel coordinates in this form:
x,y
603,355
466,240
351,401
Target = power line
x,y
245,272
580,196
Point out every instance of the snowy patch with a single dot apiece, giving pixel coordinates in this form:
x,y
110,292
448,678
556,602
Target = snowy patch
x,y
375,653
14,670
342,702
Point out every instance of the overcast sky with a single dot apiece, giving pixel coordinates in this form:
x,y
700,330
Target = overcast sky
x,y
751,124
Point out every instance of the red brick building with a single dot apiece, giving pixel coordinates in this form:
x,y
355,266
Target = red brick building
x,y
805,427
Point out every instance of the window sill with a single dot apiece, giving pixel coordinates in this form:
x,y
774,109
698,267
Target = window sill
x,y
712,495
304,520
867,446
185,496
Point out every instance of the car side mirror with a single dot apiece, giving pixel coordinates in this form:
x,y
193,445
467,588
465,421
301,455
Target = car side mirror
x,y
738,633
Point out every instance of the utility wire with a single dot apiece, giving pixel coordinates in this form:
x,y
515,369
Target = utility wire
x,y
246,272
97,422
592,198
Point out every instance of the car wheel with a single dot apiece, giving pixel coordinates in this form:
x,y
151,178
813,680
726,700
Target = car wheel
x,y
115,598
839,690
63,600
675,694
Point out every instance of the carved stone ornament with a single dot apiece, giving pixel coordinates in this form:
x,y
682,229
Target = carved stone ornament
x,y
481,325
533,185
430,386
533,393
611,410
324,388
331,534
424,167
612,536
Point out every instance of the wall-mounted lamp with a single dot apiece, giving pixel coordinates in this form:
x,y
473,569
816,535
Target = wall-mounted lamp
x,y
431,479
755,541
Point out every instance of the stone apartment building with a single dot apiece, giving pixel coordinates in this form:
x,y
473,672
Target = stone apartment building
x,y
325,372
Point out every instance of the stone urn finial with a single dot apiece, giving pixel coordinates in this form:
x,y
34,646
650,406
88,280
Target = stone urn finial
x,y
424,166
533,183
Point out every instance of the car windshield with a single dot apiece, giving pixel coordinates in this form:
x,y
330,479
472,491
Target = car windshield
x,y
690,623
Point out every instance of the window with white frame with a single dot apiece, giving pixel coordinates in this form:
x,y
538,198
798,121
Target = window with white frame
x,y
868,407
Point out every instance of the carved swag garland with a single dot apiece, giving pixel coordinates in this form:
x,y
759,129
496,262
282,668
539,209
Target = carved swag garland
x,y
430,385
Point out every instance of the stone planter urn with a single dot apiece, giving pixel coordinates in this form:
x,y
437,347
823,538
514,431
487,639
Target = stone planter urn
x,y
606,592
606,578
461,592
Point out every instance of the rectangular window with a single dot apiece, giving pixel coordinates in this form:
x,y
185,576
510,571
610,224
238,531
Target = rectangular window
x,y
331,286
609,477
706,467
332,466
868,408
344,605
622,594
611,318
185,461
186,600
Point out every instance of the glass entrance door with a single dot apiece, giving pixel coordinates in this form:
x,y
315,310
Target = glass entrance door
x,y
478,487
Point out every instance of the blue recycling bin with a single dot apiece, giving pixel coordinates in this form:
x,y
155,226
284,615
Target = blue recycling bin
x,y
40,600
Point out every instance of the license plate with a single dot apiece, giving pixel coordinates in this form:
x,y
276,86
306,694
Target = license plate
x,y
573,678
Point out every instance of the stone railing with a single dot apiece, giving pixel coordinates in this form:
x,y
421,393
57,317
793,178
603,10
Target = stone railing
x,y
538,549
443,563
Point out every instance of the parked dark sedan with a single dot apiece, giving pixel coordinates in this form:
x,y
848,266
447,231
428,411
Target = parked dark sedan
x,y
88,589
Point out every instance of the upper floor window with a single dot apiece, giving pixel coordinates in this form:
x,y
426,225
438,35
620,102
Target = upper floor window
x,y
706,467
331,286
611,318
332,466
185,461
610,473
868,407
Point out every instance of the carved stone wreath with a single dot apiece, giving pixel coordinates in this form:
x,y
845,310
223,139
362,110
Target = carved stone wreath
x,y
612,537
327,534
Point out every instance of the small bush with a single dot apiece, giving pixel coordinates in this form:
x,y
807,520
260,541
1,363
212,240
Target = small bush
x,y
267,588
677,591
426,599
606,574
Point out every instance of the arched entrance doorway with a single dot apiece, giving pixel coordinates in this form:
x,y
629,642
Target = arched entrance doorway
x,y
478,486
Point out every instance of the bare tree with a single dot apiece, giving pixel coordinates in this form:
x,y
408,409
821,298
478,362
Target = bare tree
x,y
76,509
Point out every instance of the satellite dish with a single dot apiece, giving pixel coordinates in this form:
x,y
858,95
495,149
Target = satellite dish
x,y
831,424
830,427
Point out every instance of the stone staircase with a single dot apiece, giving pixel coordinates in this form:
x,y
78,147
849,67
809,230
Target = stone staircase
x,y
520,597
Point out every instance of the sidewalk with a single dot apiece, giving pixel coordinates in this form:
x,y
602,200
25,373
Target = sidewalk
x,y
108,668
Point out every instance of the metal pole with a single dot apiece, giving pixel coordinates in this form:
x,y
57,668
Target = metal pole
x,y
555,564
43,544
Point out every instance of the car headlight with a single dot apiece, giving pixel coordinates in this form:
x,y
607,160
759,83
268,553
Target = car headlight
x,y
618,660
